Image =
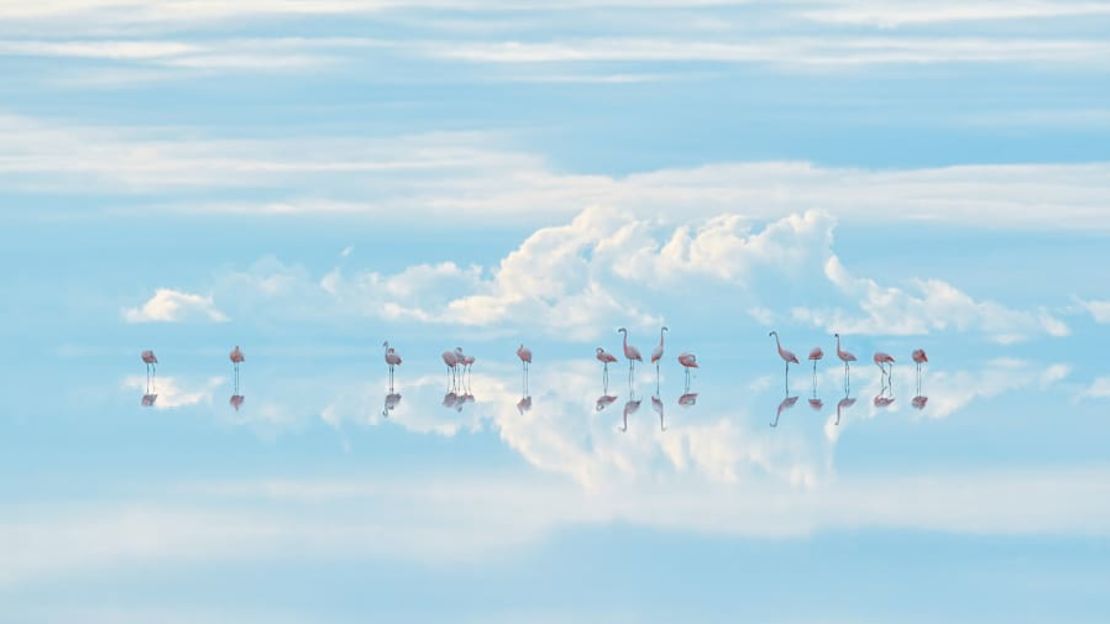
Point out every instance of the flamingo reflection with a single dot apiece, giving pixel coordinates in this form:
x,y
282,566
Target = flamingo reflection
x,y
524,405
236,401
786,404
657,405
630,407
604,401
843,404
390,403
149,399
689,399
919,402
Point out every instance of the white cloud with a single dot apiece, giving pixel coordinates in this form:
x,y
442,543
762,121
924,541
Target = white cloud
x,y
172,392
892,14
608,268
173,306
933,305
1099,389
1100,310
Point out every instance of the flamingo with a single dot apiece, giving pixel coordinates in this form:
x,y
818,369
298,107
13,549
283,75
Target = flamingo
x,y
630,352
919,402
392,359
688,400
883,361
451,359
606,359
845,357
815,356
688,360
657,353
787,356
149,399
151,362
525,355
236,401
919,358
816,404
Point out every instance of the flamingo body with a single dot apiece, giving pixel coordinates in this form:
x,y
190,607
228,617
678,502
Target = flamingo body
x,y
524,353
919,356
605,357
149,357
236,356
816,354
688,360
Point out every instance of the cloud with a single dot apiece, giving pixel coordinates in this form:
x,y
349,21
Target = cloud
x,y
933,305
173,306
1099,389
893,14
1100,310
172,392
466,178
608,267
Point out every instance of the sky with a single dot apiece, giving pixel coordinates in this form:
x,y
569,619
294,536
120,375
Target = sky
x,y
310,179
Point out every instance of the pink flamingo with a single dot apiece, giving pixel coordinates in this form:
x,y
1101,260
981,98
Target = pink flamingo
x,y
451,359
632,353
919,358
525,355
845,357
816,404
236,356
392,359
149,399
236,401
606,359
787,356
885,362
919,402
151,362
688,400
688,361
815,356
657,353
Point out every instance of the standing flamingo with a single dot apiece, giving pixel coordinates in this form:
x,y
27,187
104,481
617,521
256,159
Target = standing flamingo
x,y
688,360
451,359
236,356
815,356
919,358
525,355
632,353
151,362
606,359
657,353
787,356
885,362
846,358
392,359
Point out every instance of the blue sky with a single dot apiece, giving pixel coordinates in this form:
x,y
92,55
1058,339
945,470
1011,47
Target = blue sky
x,y
309,179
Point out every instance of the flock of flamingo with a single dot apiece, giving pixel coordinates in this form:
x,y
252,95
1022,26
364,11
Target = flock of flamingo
x,y
460,365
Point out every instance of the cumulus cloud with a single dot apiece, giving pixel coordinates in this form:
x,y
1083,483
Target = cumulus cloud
x,y
172,306
609,267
